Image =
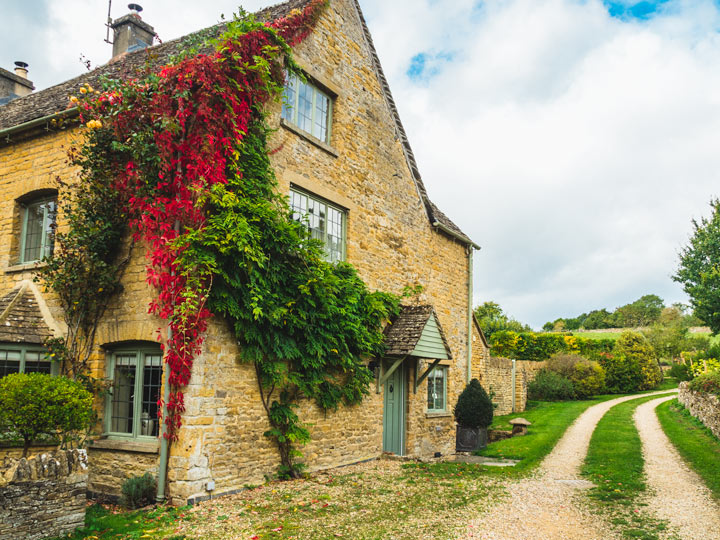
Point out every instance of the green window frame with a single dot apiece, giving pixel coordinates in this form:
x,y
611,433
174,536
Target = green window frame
x,y
437,390
131,409
307,107
326,221
37,235
20,358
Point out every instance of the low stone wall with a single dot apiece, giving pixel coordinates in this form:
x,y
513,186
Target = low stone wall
x,y
497,378
704,407
43,496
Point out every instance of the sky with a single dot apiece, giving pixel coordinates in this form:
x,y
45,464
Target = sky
x,y
574,140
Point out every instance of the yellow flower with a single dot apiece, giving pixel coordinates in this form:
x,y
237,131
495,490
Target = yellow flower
x,y
83,90
73,99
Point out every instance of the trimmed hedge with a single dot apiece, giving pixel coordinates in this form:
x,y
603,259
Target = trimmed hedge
x,y
539,347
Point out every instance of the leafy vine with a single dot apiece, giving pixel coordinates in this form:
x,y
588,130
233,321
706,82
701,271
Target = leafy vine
x,y
182,153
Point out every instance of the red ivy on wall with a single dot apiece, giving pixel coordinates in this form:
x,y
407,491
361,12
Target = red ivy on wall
x,y
177,132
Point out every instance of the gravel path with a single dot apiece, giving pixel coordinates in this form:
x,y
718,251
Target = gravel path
x,y
543,507
678,494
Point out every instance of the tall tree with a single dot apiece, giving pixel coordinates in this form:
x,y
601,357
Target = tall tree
x,y
699,269
492,319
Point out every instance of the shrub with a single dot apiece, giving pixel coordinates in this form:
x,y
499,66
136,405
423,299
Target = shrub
x,y
550,386
708,383
474,407
587,376
33,404
681,372
138,491
633,365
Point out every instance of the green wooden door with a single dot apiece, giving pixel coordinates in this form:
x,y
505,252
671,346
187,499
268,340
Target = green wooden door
x,y
394,413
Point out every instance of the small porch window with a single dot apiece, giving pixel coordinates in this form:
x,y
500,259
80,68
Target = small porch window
x,y
437,390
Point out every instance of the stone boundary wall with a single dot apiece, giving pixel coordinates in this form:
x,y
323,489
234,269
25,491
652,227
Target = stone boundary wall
x,y
43,496
704,407
497,378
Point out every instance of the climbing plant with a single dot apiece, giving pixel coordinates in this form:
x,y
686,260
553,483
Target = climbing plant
x,y
183,153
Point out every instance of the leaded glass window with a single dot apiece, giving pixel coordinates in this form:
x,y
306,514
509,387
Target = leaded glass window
x,y
18,358
136,381
38,230
307,107
325,221
437,388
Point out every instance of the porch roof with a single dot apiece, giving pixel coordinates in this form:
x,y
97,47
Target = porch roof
x,y
417,332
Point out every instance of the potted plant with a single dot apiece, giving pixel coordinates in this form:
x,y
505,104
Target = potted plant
x,y
473,414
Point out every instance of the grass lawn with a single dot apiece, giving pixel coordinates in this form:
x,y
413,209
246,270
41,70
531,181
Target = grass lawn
x,y
370,501
694,442
104,523
614,463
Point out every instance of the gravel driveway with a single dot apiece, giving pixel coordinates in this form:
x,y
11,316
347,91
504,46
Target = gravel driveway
x,y
678,494
543,507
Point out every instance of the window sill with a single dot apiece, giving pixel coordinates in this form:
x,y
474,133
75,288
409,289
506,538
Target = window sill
x,y
24,267
443,414
313,140
127,445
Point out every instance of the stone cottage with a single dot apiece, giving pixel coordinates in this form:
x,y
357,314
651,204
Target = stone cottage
x,y
346,162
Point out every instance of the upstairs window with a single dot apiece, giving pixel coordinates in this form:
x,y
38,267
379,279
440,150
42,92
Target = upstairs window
x,y
437,390
307,107
132,408
38,224
17,358
325,221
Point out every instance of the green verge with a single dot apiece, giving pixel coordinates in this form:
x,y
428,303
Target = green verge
x,y
694,442
614,463
549,421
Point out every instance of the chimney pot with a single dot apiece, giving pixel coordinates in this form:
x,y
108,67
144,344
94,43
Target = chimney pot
x,y
21,69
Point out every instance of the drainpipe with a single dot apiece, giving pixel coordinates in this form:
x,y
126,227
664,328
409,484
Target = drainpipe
x,y
164,443
470,251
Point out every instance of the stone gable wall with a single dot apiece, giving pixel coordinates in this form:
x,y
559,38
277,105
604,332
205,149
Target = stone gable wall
x,y
704,407
43,496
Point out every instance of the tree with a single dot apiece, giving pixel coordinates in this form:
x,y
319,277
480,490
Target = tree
x,y
492,319
33,404
642,312
699,269
598,319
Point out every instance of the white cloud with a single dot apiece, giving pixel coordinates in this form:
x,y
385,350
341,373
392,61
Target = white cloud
x,y
573,146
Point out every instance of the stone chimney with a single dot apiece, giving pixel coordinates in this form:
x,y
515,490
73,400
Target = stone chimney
x,y
14,85
131,33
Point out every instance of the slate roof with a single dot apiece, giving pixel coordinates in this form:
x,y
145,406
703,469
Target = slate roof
x,y
403,334
20,318
55,99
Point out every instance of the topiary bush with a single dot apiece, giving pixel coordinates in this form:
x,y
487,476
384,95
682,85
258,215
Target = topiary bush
x,y
550,386
138,491
474,408
587,376
33,404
